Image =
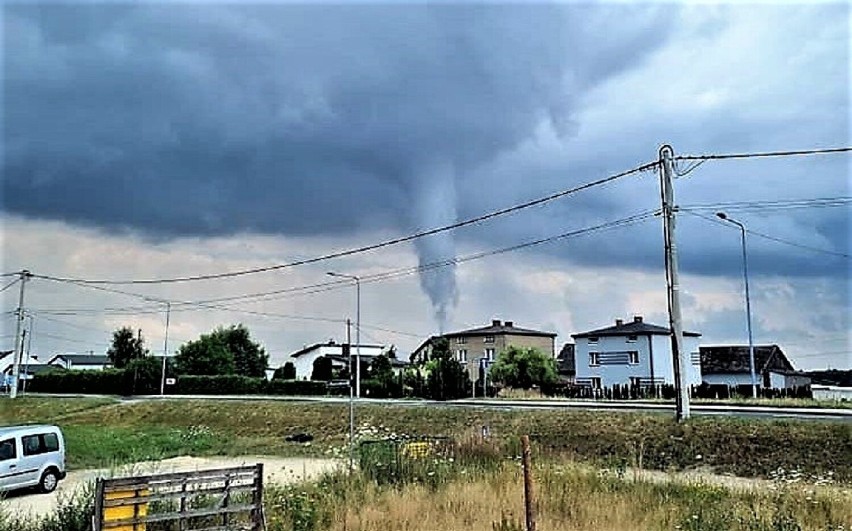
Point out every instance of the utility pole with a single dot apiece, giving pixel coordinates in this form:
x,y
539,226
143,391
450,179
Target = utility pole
x,y
679,361
351,399
165,349
27,355
19,348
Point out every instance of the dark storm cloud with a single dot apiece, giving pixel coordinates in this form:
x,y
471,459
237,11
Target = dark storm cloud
x,y
211,119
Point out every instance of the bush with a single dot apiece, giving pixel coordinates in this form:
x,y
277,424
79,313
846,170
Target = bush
x,y
322,369
373,388
287,372
296,387
225,384
107,381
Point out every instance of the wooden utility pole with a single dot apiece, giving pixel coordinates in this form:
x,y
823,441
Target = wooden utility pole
x,y
679,362
19,344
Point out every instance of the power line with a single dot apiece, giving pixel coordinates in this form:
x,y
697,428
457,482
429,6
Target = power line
x,y
376,277
770,205
775,239
9,285
386,243
802,152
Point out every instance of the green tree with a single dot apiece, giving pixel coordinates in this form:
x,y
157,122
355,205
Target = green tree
x,y
381,370
322,369
250,359
206,356
447,379
523,368
126,347
286,372
223,351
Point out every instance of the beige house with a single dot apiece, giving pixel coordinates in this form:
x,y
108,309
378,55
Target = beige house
x,y
471,346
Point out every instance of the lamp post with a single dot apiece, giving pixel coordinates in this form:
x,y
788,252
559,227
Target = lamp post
x,y
357,327
165,349
724,217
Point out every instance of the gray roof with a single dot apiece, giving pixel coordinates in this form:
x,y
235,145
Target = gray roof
x,y
565,361
498,328
734,359
632,328
83,359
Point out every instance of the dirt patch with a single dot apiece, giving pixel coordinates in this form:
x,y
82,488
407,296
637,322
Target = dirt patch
x,y
276,470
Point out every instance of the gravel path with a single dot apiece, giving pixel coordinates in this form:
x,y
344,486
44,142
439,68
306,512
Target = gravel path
x,y
277,470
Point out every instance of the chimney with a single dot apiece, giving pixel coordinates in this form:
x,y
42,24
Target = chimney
x,y
509,324
495,322
619,322
637,318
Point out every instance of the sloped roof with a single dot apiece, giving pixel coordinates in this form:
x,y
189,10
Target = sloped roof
x,y
565,364
83,359
629,329
497,328
315,346
730,359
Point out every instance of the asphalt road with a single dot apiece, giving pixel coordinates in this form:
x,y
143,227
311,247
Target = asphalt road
x,y
801,413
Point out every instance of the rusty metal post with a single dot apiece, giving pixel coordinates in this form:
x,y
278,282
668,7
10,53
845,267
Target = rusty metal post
x,y
528,484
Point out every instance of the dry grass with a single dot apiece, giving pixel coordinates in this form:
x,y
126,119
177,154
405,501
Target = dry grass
x,y
574,499
745,447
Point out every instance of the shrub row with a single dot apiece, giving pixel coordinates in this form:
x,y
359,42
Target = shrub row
x,y
138,381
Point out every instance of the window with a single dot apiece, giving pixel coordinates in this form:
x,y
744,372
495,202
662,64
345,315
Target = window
x,y
51,442
32,445
489,354
633,357
489,339
7,449
593,341
461,340
632,339
40,444
595,382
461,355
594,359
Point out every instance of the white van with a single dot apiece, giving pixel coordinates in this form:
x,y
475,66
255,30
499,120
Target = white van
x,y
31,456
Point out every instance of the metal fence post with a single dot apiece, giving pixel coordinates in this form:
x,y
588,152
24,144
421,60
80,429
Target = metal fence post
x,y
528,484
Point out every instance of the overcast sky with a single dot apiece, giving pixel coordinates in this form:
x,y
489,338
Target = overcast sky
x,y
166,140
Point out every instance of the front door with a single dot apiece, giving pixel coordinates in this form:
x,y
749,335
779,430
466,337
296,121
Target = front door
x,y
31,458
9,463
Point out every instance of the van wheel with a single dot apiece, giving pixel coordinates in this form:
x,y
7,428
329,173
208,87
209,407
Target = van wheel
x,y
48,481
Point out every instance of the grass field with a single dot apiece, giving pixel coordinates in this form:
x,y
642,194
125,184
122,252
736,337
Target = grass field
x,y
567,498
103,432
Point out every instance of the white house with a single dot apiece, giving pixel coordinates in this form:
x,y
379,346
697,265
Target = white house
x,y
730,365
633,353
91,362
28,366
304,359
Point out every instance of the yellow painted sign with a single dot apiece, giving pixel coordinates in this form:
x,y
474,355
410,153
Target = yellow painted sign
x,y
123,512
417,450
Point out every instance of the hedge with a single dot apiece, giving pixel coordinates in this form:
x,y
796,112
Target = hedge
x,y
296,387
108,382
227,384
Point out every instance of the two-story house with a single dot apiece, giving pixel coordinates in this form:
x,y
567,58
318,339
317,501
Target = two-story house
x,y
633,353
482,345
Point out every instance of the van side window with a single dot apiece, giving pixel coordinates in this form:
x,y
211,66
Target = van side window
x,y
32,445
7,449
51,442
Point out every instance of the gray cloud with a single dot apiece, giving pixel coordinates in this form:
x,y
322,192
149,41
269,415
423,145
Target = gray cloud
x,y
211,119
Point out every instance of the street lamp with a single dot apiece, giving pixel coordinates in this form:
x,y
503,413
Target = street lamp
x,y
357,328
165,349
358,363
724,217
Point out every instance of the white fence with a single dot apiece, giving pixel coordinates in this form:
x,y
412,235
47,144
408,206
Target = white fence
x,y
831,392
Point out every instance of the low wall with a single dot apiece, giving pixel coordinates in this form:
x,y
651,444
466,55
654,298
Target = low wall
x,y
831,392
